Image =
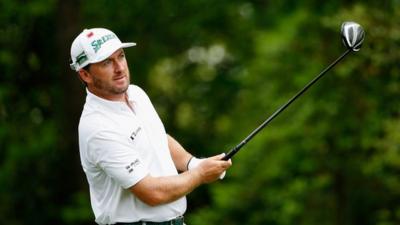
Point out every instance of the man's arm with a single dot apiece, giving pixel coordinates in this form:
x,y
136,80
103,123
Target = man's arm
x,y
179,155
160,190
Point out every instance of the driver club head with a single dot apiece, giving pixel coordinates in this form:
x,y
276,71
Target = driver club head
x,y
352,35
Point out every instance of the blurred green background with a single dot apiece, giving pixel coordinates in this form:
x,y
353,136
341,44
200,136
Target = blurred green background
x,y
214,71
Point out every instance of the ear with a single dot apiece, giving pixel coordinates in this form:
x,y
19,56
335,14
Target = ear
x,y
85,76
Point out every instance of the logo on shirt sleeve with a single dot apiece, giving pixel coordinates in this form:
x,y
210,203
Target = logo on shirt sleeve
x,y
132,165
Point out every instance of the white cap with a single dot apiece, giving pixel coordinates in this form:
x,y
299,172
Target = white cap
x,y
94,45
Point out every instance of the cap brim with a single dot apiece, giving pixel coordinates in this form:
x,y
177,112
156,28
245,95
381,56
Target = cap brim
x,y
128,44
111,50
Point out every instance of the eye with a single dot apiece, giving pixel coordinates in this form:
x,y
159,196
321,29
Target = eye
x,y
106,62
122,55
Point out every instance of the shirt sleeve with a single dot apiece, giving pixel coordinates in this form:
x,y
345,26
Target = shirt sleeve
x,y
116,156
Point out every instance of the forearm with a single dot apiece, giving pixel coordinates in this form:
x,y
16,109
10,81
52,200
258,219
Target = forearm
x,y
179,155
160,190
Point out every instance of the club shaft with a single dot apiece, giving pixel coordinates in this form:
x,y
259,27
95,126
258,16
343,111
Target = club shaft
x,y
236,149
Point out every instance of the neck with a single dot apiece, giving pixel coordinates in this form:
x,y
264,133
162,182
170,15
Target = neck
x,y
111,97
128,103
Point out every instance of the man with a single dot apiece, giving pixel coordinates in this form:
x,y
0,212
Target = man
x,y
131,164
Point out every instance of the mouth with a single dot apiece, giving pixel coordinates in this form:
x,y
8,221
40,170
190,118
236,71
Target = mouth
x,y
118,78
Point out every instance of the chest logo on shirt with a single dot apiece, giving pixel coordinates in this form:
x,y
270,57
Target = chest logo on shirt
x,y
135,133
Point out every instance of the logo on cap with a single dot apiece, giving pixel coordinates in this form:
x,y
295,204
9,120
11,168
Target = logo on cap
x,y
96,44
89,34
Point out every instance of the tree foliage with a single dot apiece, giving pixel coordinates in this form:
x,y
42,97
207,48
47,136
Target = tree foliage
x,y
214,70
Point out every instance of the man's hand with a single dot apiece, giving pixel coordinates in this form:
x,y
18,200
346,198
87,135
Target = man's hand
x,y
212,168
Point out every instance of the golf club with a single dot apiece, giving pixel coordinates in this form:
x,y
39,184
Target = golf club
x,y
352,37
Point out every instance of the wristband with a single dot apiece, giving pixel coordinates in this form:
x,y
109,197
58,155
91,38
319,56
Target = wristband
x,y
187,164
193,163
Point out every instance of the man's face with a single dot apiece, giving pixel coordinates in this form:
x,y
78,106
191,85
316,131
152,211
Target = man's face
x,y
109,78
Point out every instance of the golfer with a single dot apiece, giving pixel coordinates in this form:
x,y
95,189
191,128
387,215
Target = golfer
x,y
137,173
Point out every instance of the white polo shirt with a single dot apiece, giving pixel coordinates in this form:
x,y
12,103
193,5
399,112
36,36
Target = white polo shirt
x,y
119,147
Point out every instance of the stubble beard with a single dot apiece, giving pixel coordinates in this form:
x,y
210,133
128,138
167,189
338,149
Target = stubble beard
x,y
110,89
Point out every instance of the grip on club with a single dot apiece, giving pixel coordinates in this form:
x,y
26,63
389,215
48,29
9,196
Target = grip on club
x,y
228,156
232,152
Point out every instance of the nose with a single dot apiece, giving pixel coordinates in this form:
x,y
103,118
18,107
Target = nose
x,y
119,66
